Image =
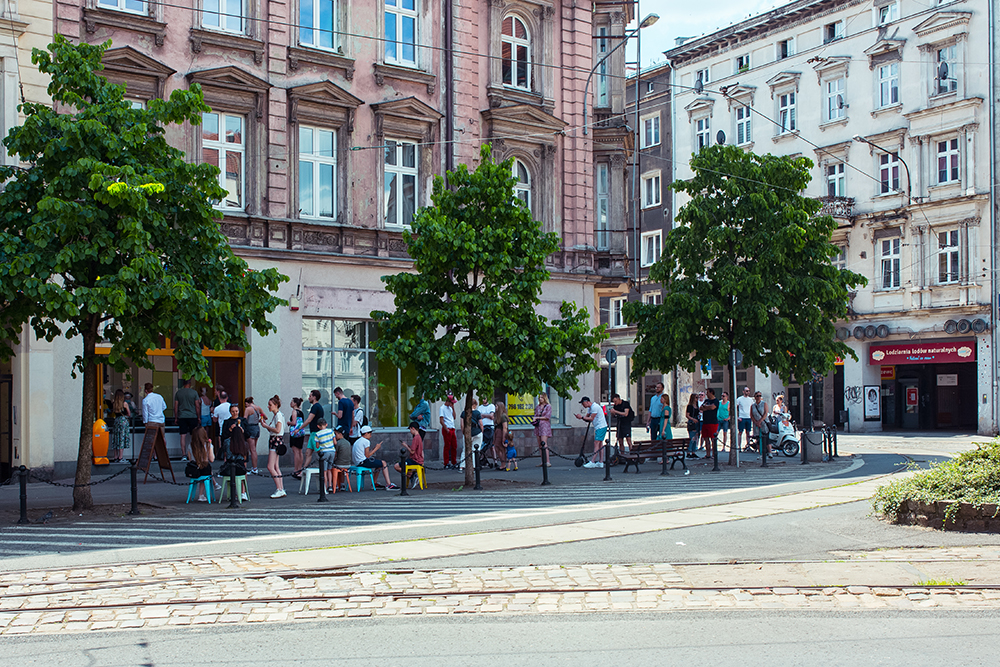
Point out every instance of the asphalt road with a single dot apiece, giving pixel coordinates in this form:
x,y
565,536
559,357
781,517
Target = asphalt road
x,y
745,638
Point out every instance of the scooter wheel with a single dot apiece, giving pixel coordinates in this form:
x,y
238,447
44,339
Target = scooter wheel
x,y
791,449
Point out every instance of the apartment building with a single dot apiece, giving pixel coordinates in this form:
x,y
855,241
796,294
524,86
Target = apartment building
x,y
330,120
891,101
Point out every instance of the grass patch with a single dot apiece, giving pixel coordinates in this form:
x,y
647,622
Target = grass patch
x,y
940,582
972,477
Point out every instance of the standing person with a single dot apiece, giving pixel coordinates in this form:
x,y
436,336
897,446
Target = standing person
x,y
312,421
476,430
252,415
668,433
743,422
202,456
220,413
232,425
344,410
205,409
710,422
758,415
153,407
326,451
655,415
187,413
363,456
357,419
295,436
594,414
500,428
543,427
724,404
446,418
275,425
486,412
121,426
623,410
422,415
693,415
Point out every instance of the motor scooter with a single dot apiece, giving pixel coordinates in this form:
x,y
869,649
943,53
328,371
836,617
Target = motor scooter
x,y
788,442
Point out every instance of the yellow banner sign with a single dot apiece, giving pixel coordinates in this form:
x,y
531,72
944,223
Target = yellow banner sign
x,y
520,408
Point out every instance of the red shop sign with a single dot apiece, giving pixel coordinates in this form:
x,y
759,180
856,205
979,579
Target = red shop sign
x,y
944,352
911,396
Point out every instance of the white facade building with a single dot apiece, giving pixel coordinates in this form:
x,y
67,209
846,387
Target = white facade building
x,y
891,100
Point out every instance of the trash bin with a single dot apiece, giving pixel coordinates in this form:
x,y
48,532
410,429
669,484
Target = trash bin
x,y
101,442
813,441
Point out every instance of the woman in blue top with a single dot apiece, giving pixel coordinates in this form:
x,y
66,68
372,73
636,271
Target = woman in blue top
x,y
724,419
668,433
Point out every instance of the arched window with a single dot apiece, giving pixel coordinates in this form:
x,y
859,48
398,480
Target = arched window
x,y
515,44
522,188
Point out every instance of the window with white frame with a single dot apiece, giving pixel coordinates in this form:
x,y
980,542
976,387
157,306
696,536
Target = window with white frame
x,y
947,160
651,248
743,135
703,133
223,144
616,319
317,23
401,32
888,173
317,172
889,258
225,15
948,256
742,63
836,182
137,104
702,75
650,87
836,108
515,53
787,120
133,6
400,182
652,298
603,191
651,131
602,74
522,183
840,261
651,189
888,84
887,13
786,48
833,31
946,70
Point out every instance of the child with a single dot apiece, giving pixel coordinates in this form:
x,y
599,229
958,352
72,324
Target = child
x,y
326,450
511,453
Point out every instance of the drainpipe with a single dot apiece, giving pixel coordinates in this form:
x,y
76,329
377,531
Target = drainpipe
x,y
449,85
994,291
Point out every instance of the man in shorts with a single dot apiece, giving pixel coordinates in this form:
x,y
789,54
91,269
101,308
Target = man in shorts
x,y
743,421
363,456
187,411
623,410
709,422
594,414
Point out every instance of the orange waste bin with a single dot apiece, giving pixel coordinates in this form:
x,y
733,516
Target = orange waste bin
x,y
102,439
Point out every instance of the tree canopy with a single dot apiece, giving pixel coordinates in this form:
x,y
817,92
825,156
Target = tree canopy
x,y
465,317
109,229
748,267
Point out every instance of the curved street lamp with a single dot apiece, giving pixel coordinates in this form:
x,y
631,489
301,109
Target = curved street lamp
x,y
906,167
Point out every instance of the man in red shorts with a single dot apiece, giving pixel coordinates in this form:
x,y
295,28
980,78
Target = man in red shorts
x,y
710,422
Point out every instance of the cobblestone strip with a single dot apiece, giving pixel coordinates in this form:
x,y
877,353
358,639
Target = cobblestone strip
x,y
528,590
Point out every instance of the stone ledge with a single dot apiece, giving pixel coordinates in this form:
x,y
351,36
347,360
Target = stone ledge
x,y
969,518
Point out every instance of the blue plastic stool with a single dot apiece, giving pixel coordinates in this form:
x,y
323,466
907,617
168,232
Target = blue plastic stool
x,y
361,472
193,484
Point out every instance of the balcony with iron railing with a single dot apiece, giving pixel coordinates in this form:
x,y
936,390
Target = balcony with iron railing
x,y
841,209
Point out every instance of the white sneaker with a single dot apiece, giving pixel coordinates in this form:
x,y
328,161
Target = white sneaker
x,y
244,496
591,464
280,493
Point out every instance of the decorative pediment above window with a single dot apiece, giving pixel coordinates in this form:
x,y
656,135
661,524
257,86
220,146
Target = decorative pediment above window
x,y
833,153
832,67
884,51
383,71
95,17
324,104
784,81
231,89
740,95
892,140
299,55
227,42
521,119
143,77
700,108
942,21
408,118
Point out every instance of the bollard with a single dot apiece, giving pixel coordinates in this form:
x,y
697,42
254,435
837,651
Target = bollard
x,y
402,471
545,464
322,478
663,468
834,442
133,475
607,462
478,453
232,484
24,495
715,453
762,444
802,449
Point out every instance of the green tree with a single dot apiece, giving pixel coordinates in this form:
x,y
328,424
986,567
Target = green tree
x,y
747,268
465,319
109,229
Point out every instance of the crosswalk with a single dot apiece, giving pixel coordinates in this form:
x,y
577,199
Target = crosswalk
x,y
627,493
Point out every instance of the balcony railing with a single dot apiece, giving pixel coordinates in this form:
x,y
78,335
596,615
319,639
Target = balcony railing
x,y
838,207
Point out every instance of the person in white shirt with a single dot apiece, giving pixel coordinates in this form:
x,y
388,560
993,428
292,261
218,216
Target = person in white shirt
x,y
275,425
153,407
486,412
594,414
357,419
446,417
743,422
363,456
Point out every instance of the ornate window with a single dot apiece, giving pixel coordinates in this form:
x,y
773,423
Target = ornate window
x,y
888,84
223,144
948,256
836,183
515,49
602,77
225,15
603,192
318,23
743,132
888,173
787,120
616,319
703,132
522,183
946,72
890,254
133,6
401,32
836,107
400,184
317,172
948,161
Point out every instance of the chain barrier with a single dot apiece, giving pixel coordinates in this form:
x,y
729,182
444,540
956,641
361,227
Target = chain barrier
x,y
37,478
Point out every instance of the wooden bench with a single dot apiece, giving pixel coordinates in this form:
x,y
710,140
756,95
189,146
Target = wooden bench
x,y
676,449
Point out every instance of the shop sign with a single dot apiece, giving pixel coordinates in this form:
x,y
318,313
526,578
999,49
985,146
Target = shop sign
x,y
520,408
888,372
945,352
911,398
873,403
839,361
947,379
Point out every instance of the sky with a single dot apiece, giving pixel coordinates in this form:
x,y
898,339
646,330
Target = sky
x,y
687,18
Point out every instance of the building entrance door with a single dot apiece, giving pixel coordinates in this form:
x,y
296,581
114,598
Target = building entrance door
x,y
911,402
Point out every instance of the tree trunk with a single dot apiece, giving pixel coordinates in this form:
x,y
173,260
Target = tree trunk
x,y
82,498
734,451
470,470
